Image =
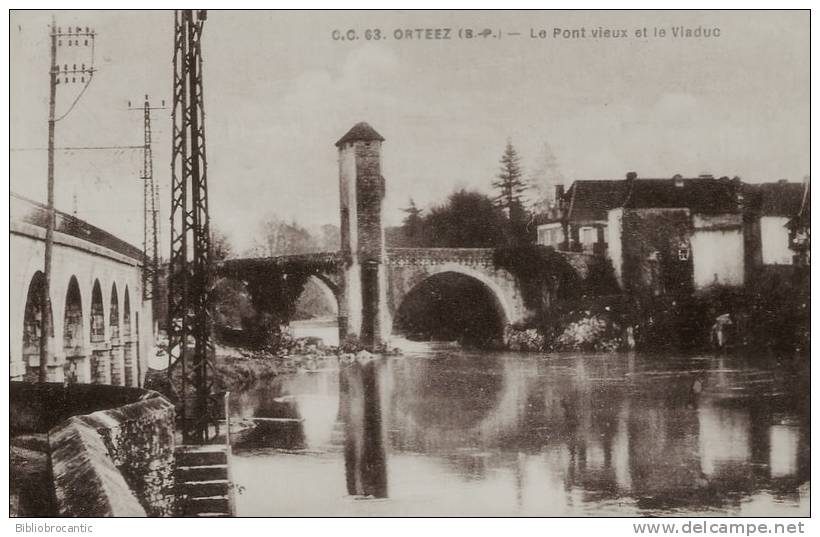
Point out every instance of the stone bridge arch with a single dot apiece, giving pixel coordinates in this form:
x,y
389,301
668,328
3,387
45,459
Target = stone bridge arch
x,y
408,268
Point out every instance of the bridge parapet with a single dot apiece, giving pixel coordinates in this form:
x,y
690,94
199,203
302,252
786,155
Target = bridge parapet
x,y
482,257
26,211
312,262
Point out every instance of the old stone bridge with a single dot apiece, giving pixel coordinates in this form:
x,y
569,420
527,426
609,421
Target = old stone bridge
x,y
369,281
405,269
103,330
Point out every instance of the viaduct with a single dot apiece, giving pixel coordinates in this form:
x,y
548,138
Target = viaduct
x,y
103,330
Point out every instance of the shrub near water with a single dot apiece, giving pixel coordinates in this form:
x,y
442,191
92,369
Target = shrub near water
x,y
591,333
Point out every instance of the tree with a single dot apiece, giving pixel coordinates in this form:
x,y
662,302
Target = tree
x,y
510,183
281,238
511,188
545,178
413,224
467,220
221,248
331,238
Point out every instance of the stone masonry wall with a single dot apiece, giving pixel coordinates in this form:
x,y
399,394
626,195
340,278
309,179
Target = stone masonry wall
x,y
140,441
86,481
370,190
37,407
116,462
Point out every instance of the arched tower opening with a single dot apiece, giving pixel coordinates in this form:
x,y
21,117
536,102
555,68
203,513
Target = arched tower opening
x,y
451,306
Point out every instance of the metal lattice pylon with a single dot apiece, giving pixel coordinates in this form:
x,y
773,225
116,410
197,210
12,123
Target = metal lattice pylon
x,y
150,248
190,368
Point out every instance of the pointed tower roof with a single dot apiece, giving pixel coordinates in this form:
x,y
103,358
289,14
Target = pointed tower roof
x,y
361,132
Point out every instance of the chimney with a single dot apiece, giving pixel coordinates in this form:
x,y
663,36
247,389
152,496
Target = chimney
x,y
630,185
737,191
559,195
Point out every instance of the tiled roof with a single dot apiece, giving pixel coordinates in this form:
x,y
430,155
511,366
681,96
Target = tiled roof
x,y
701,195
774,199
590,200
361,132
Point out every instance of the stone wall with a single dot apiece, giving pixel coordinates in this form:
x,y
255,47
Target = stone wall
x,y
112,448
140,442
370,189
38,407
86,481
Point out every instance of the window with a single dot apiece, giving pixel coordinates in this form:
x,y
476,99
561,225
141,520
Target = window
x,y
588,235
550,236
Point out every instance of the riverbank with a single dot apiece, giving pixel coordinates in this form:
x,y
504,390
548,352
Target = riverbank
x,y
238,368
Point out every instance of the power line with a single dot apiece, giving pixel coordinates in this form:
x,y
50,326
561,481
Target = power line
x,y
72,38
78,148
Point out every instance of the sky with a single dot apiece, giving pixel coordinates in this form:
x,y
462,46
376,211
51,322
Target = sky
x,y
279,91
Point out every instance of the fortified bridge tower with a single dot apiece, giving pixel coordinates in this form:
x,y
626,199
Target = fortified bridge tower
x,y
361,194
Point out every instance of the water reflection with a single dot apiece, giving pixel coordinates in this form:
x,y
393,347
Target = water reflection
x,y
361,413
502,434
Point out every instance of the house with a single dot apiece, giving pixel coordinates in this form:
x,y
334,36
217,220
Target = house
x,y
777,220
586,205
682,234
550,224
677,235
800,229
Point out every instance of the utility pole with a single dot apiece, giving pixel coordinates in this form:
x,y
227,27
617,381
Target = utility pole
x,y
190,367
77,38
150,243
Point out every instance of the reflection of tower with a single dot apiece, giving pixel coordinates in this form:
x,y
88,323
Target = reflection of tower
x,y
360,403
361,189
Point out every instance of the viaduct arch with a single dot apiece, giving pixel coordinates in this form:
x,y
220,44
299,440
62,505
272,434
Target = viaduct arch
x,y
102,329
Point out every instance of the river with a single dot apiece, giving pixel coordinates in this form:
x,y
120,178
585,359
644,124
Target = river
x,y
441,431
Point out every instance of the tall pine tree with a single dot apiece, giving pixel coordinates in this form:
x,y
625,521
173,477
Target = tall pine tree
x,y
511,186
413,224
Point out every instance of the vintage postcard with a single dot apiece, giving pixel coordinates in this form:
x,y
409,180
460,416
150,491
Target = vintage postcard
x,y
410,264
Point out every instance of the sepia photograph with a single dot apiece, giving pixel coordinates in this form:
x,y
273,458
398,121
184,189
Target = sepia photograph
x,y
410,263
